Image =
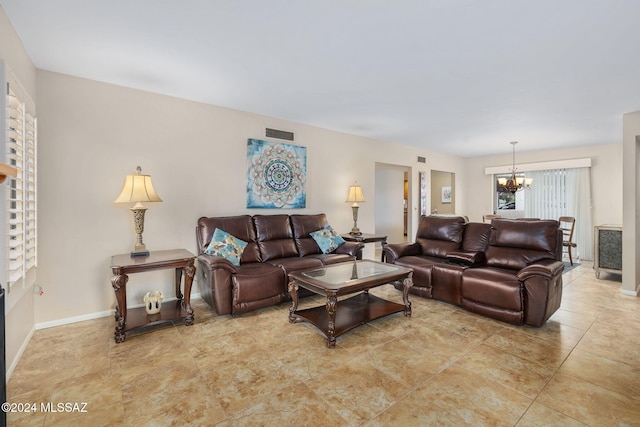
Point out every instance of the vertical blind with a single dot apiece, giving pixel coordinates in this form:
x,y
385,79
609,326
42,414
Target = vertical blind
x,y
21,143
563,192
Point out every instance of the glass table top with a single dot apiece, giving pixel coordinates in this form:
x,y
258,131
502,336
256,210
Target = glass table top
x,y
349,271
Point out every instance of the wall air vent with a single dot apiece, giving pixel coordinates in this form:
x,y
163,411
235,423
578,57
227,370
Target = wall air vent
x,y
422,159
280,134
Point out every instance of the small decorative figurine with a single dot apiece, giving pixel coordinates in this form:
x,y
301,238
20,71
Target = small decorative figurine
x,y
153,301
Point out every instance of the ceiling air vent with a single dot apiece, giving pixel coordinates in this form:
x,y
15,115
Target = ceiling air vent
x,y
280,134
422,159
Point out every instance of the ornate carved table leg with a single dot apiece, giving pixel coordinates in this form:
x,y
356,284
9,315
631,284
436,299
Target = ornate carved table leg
x,y
178,283
119,283
408,283
189,271
331,329
293,291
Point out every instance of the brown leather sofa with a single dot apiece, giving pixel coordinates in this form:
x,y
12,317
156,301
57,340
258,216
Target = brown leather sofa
x,y
509,270
277,245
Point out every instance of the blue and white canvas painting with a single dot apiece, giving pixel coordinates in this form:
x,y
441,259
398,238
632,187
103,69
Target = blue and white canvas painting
x,y
276,175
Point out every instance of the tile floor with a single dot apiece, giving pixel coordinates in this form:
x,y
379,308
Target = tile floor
x,y
443,366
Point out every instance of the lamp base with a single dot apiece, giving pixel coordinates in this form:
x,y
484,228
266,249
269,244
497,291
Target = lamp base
x,y
355,232
139,250
139,253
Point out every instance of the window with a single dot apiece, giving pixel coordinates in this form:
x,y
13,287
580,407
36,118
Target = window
x,y
506,201
20,202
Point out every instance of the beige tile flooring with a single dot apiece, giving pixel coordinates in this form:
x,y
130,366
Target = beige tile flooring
x,y
443,366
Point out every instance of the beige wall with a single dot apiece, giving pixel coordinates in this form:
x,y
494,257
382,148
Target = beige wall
x,y
630,242
92,134
606,179
20,317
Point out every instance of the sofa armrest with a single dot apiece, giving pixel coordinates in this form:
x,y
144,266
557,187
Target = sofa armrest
x,y
212,262
351,248
215,278
547,268
393,251
543,290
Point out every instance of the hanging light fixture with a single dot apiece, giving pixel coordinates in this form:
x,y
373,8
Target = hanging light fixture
x,y
514,183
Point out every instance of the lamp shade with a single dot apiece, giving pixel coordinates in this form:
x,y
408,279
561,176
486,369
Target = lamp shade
x,y
138,188
355,194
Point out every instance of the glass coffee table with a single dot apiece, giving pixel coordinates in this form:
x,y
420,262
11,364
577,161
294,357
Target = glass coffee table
x,y
333,281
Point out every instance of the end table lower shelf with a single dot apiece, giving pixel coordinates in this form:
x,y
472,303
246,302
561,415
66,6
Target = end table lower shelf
x,y
137,319
171,312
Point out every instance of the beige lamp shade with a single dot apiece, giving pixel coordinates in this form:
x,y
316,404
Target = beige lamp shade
x,y
138,188
355,194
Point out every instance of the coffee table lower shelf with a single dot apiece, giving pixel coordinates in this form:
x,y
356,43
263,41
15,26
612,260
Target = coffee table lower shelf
x,y
354,311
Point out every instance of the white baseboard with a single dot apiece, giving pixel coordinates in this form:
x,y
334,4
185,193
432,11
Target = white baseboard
x,y
21,350
90,316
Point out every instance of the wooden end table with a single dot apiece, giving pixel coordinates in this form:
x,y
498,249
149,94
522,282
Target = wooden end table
x,y
137,319
367,238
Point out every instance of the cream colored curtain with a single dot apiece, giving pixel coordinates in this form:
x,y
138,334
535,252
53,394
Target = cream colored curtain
x,y
563,192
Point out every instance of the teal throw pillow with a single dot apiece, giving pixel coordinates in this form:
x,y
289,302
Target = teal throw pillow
x,y
227,246
327,239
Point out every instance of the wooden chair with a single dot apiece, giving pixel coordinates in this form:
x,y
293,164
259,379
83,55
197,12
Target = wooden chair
x,y
489,217
567,225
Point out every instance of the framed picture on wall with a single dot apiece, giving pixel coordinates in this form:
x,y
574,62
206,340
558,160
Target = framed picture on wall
x,y
446,194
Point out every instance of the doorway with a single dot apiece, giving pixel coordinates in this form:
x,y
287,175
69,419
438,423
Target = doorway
x,y
392,202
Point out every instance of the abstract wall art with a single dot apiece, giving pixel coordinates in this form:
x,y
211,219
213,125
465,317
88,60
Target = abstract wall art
x,y
276,175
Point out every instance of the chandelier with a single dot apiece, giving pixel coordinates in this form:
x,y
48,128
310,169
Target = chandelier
x,y
514,183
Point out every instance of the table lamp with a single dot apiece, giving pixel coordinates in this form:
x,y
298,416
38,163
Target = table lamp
x,y
355,196
138,189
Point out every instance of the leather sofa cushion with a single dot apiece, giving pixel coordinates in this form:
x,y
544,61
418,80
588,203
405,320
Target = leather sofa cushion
x,y
474,242
257,281
439,235
516,244
289,265
238,226
476,237
328,259
302,226
275,237
493,287
447,281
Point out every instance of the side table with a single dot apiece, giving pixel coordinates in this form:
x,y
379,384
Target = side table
x,y
608,249
366,238
137,319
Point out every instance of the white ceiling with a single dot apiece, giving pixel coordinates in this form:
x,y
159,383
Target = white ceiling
x,y
459,76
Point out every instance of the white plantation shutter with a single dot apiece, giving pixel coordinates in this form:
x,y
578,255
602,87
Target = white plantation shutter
x,y
20,201
29,192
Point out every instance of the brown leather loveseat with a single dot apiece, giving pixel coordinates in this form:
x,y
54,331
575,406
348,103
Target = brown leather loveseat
x,y
276,246
509,270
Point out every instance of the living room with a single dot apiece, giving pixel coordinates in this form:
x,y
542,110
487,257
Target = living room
x,y
92,134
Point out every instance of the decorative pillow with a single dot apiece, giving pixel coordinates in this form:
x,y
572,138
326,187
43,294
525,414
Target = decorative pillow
x,y
227,246
327,239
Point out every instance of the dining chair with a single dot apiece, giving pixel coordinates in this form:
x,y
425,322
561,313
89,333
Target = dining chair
x,y
567,225
489,217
